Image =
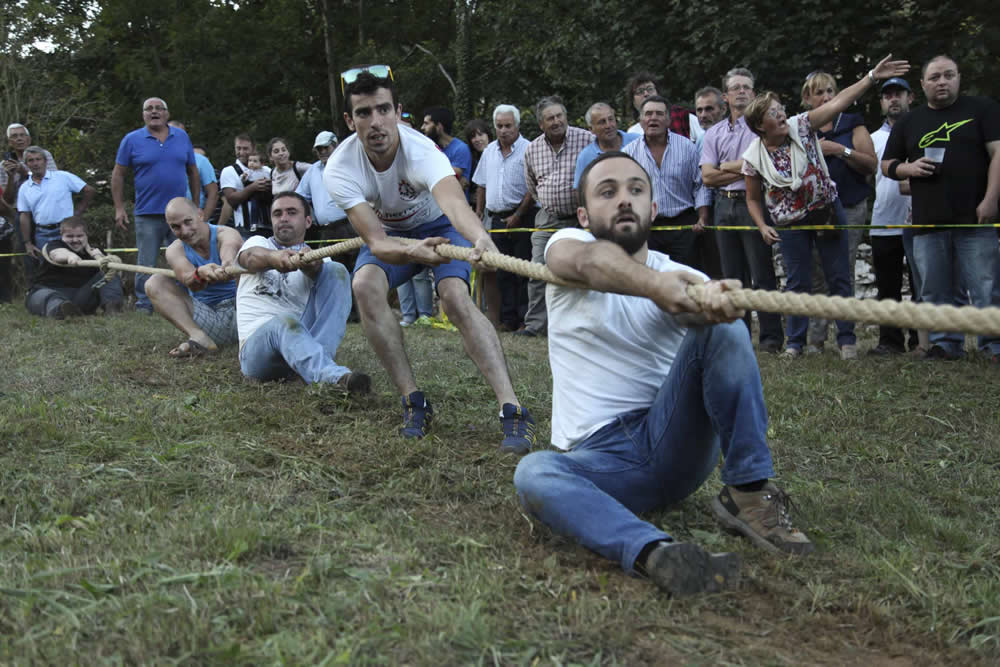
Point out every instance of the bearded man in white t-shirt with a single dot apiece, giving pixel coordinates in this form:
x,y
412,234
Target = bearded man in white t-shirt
x,y
393,182
648,388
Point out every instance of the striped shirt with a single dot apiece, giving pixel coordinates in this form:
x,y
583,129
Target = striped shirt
x,y
502,175
677,183
549,173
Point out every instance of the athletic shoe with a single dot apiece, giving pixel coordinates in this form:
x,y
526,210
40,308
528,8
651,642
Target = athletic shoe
x,y
848,352
814,348
417,415
355,383
791,353
939,353
884,351
68,309
527,333
770,346
424,321
763,517
687,569
518,429
405,322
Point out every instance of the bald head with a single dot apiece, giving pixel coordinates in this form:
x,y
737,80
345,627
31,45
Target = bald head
x,y
185,222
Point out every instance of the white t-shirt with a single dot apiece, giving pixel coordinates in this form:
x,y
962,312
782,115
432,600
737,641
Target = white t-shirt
x,y
228,178
609,353
891,207
400,195
287,180
262,296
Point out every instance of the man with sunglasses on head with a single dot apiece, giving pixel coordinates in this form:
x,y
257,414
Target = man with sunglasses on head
x,y
394,183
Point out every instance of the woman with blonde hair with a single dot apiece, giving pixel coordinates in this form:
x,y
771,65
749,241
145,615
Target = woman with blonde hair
x,y
785,170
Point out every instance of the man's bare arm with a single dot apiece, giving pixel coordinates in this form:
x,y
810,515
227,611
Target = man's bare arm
x,y
211,199
387,248
87,196
715,177
118,195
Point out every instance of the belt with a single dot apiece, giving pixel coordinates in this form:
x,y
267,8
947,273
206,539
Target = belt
x,y
501,214
687,211
54,225
733,194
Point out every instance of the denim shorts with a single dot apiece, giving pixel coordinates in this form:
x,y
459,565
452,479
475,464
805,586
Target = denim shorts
x,y
401,273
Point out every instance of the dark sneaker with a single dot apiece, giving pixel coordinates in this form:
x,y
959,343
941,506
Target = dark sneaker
x,y
68,309
518,429
417,415
938,353
687,569
355,383
763,517
527,333
769,346
884,351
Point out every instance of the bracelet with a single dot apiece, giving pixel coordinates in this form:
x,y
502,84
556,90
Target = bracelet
x,y
197,276
871,77
891,171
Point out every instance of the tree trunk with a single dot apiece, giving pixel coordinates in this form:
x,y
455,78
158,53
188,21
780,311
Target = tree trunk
x,y
332,75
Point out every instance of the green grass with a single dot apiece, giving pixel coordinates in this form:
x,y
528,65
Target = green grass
x,y
162,511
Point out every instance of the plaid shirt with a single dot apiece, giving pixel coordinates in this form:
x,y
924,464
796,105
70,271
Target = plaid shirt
x,y
549,174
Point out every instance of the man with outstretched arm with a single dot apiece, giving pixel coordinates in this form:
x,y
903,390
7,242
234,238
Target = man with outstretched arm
x,y
292,314
394,183
201,302
648,388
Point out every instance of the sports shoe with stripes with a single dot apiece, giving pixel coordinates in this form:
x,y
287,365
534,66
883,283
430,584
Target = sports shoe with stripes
x,y
417,415
518,429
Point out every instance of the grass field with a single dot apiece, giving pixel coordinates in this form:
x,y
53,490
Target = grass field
x,y
155,511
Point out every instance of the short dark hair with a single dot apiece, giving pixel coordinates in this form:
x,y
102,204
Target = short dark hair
x,y
582,190
709,90
73,222
243,136
366,84
940,56
292,193
441,115
278,140
655,98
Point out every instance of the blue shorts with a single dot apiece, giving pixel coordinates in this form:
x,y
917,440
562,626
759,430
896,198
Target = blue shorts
x,y
401,273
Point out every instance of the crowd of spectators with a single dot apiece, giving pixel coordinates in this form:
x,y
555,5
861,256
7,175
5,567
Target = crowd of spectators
x,y
728,157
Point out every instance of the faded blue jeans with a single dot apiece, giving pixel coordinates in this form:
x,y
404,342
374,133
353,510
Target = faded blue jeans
x,y
711,401
950,259
307,345
416,296
151,232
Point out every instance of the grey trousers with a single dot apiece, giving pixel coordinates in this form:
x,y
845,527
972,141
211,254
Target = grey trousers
x,y
536,320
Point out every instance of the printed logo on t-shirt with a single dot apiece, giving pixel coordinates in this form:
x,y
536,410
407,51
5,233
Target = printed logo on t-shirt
x,y
942,134
407,191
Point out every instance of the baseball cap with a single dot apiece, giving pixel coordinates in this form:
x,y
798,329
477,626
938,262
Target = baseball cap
x,y
896,81
325,138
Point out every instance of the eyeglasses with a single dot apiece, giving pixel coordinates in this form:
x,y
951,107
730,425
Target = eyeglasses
x,y
776,111
151,108
348,77
642,90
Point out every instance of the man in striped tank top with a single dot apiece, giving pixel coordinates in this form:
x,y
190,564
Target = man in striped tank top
x,y
201,302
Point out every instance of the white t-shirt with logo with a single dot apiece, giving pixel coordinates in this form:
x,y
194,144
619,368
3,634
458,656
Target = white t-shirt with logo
x,y
400,195
609,353
268,294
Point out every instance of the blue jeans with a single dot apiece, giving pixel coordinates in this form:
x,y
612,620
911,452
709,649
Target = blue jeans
x,y
151,232
416,296
796,249
954,261
711,400
307,345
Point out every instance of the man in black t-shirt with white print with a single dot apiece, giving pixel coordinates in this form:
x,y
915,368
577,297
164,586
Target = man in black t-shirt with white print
x,y
950,151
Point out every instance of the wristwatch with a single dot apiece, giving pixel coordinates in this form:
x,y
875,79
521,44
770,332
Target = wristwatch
x,y
847,153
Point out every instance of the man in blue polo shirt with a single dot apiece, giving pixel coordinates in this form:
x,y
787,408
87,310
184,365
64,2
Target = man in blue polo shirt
x,y
600,118
163,162
46,199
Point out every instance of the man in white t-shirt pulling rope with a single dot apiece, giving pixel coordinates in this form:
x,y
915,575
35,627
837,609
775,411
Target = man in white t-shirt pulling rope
x,y
291,315
394,182
647,390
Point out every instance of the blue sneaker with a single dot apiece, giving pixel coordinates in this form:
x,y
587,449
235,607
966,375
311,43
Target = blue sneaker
x,y
417,415
518,429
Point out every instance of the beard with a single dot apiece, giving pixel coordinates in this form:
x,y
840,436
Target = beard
x,y
433,134
629,240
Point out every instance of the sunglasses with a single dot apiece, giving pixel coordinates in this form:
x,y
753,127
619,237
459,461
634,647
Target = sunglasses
x,y
348,77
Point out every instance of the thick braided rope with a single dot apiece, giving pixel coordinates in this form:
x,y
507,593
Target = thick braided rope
x,y
894,313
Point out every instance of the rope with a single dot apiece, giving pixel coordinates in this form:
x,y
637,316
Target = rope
x,y
902,314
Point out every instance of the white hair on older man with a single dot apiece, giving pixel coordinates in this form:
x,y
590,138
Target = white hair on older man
x,y
14,126
594,107
507,108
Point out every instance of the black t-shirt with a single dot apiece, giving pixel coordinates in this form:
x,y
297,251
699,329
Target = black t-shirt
x,y
64,276
950,196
